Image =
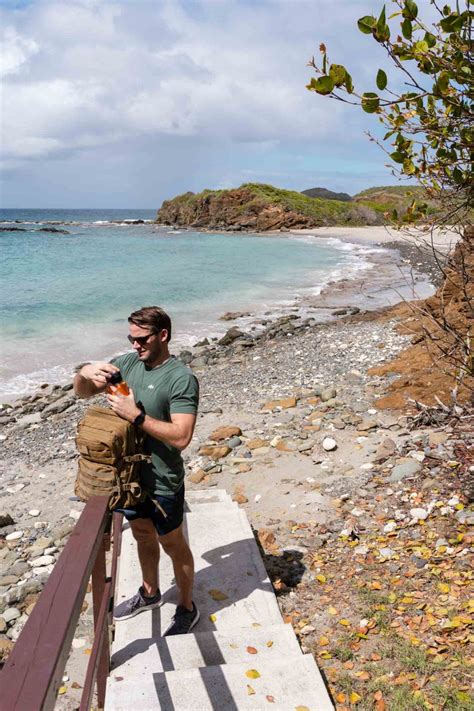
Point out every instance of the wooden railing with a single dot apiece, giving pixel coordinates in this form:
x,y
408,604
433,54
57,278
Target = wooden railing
x,y
32,674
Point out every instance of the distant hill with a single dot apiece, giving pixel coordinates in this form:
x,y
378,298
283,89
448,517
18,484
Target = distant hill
x,y
260,207
326,194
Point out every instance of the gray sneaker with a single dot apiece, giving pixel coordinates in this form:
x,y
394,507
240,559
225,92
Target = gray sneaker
x,y
136,604
183,621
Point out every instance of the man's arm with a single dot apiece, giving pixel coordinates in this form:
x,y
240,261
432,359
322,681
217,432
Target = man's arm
x,y
92,379
177,433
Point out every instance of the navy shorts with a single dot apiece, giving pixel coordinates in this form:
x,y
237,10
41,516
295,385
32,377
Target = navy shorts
x,y
173,507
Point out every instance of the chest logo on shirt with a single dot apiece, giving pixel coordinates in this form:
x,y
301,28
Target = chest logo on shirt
x,y
151,387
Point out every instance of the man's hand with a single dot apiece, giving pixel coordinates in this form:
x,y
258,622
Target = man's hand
x,y
124,406
92,378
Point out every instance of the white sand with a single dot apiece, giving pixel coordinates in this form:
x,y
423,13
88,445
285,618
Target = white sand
x,y
442,240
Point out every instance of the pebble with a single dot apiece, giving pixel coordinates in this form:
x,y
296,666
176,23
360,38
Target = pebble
x,y
15,536
10,614
367,466
390,527
401,471
329,444
34,512
419,514
387,552
43,560
79,642
257,498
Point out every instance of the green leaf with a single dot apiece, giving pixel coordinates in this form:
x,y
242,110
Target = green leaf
x,y
338,74
420,47
323,85
348,83
410,11
430,39
370,102
366,24
408,167
381,80
397,157
406,29
458,176
442,82
382,31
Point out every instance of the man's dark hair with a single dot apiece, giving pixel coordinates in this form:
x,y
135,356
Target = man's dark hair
x,y
152,317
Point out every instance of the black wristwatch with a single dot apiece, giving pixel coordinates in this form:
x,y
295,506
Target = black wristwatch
x,y
140,419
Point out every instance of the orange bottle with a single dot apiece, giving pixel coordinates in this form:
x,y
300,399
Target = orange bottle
x,y
116,384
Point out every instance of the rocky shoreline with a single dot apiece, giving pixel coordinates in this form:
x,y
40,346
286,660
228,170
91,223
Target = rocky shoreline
x,y
287,426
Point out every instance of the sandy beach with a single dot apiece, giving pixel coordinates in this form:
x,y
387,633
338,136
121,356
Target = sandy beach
x,y
311,460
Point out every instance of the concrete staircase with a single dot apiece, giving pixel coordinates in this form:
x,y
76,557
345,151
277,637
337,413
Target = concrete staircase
x,y
212,667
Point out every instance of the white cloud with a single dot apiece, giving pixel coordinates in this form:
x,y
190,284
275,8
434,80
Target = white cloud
x,y
112,70
15,51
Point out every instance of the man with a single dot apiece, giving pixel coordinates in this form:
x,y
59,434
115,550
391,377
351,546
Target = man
x,y
163,401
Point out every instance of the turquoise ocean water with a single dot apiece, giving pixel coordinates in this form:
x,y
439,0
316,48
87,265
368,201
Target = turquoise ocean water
x,y
65,298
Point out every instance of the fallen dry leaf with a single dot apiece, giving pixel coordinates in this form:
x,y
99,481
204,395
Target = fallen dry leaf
x,y
252,674
218,595
251,650
270,699
250,690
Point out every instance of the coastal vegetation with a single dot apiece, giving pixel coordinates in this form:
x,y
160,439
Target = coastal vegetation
x,y
258,206
430,134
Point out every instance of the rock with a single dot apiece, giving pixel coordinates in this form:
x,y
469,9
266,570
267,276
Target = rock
x,y
329,444
6,646
256,443
230,336
5,519
243,468
59,405
41,561
10,614
197,476
407,468
240,498
14,536
367,425
390,527
284,404
435,438
225,432
6,580
234,442
215,452
232,315
286,446
419,514
387,552
465,517
33,419
328,393
34,512
385,450
3,626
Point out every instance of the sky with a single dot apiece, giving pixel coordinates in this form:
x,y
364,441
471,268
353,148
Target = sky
x,y
126,104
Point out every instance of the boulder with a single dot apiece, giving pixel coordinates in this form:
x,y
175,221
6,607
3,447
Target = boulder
x,y
284,404
230,336
215,452
256,443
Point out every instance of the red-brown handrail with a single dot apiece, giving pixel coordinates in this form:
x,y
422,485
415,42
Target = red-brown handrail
x,y
32,674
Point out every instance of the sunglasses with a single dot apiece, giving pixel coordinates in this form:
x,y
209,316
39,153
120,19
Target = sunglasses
x,y
141,340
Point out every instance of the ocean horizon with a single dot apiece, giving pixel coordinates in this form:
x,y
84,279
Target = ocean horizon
x,y
70,278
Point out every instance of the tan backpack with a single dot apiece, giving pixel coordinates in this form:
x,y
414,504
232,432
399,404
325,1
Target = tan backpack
x,y
110,458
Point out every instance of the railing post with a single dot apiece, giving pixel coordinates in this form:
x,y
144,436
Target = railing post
x,y
99,579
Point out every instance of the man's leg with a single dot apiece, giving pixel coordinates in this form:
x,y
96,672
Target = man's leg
x,y
144,532
176,546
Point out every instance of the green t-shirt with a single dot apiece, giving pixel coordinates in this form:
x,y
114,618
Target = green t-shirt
x,y
168,389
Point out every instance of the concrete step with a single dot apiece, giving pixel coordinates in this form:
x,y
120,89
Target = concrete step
x,y
207,495
227,560
193,506
203,649
290,684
